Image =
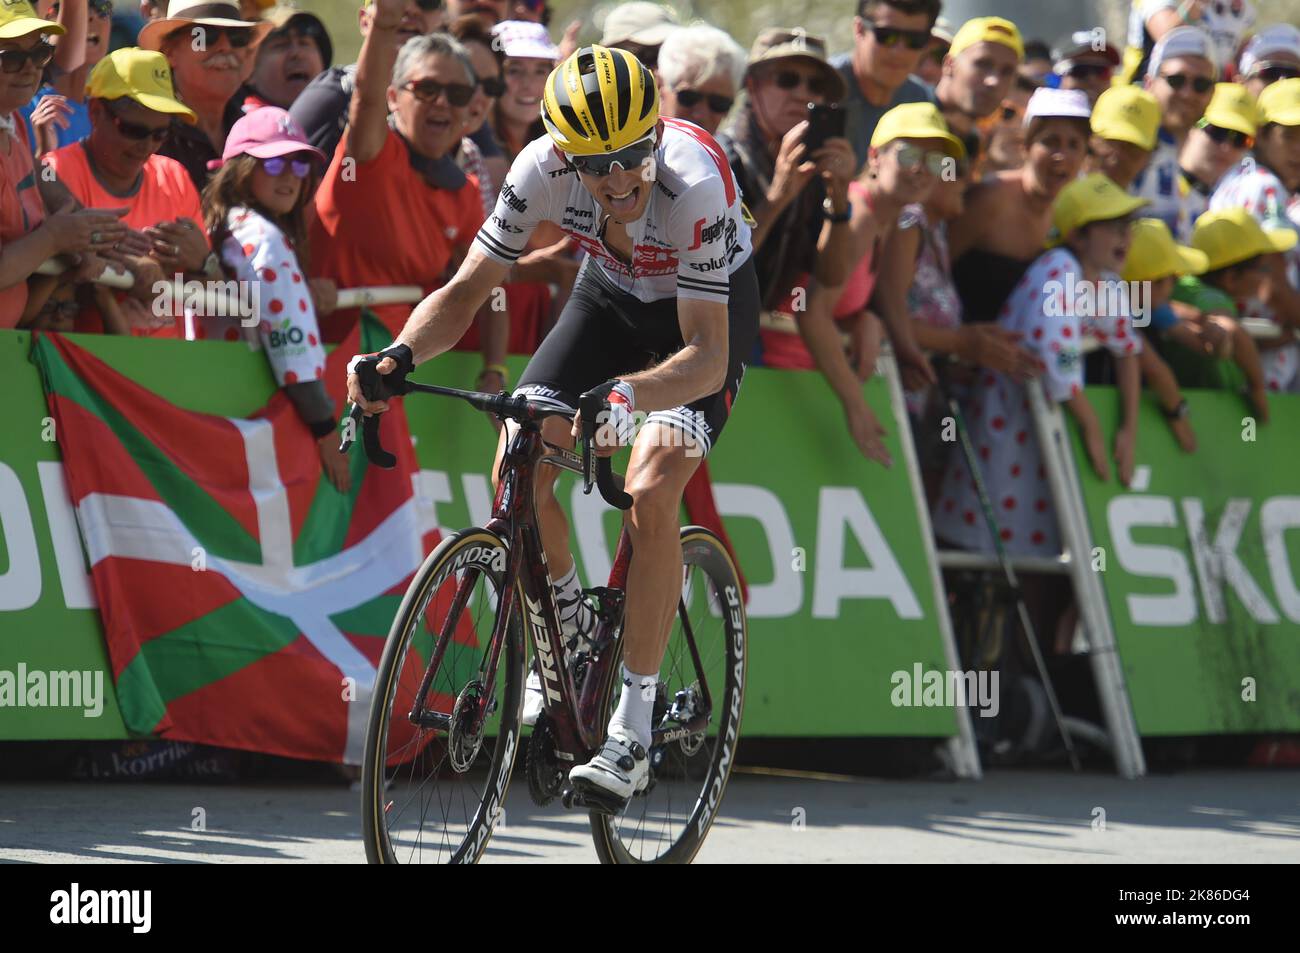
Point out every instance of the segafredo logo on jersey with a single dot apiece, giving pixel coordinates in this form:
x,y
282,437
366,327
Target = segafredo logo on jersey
x,y
208,299
77,906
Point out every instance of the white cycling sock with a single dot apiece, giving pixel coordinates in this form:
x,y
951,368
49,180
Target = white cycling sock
x,y
575,614
635,706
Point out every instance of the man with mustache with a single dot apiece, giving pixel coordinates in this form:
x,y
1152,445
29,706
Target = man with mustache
x,y
210,56
321,110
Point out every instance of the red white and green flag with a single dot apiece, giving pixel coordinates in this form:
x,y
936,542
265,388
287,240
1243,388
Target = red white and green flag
x,y
244,600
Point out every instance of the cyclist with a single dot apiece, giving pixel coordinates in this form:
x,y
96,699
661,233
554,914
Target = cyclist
x,y
661,319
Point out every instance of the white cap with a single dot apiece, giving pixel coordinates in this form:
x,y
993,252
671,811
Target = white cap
x,y
1058,104
525,39
1279,38
1182,41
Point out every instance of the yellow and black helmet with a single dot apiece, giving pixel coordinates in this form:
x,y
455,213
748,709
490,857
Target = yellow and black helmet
x,y
599,100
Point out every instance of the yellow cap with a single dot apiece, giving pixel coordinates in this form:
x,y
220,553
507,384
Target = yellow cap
x,y
137,74
1128,114
1093,198
916,121
1154,254
1231,235
1232,107
1280,102
988,30
18,18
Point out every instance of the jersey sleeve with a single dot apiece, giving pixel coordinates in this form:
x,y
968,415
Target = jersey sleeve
x,y
706,238
1037,308
522,203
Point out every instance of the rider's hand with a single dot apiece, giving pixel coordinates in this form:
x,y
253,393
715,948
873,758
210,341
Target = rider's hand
x,y
616,424
393,364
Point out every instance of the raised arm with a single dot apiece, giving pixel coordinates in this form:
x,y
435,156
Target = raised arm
x,y
368,111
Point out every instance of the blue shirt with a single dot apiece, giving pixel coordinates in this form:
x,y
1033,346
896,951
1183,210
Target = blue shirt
x,y
862,116
78,119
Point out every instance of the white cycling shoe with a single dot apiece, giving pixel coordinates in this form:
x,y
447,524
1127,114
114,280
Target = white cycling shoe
x,y
575,640
619,770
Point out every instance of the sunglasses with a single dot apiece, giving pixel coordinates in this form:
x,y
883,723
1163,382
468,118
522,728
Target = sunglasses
x,y
428,6
428,90
13,61
136,131
892,36
1011,112
1176,81
1092,71
910,158
648,55
274,167
205,37
629,157
790,80
1238,140
1272,72
492,86
690,98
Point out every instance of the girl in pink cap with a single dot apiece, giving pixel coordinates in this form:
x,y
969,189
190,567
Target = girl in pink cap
x,y
254,208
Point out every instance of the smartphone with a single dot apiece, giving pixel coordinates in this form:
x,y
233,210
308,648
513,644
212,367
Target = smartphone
x,y
824,122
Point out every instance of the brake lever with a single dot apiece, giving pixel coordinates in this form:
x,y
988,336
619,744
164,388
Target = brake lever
x,y
375,451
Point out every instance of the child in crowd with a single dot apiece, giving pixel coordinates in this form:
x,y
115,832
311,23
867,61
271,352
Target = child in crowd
x,y
255,208
1237,251
1092,223
1154,257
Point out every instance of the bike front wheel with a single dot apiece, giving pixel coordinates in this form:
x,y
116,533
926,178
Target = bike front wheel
x,y
704,670
444,720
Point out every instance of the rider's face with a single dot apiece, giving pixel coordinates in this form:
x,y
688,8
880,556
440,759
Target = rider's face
x,y
624,194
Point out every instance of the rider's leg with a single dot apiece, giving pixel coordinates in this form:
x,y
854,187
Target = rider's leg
x,y
656,478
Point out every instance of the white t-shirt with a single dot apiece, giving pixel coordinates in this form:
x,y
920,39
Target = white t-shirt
x,y
688,242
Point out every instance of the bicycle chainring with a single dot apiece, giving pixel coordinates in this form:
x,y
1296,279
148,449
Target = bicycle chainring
x,y
545,776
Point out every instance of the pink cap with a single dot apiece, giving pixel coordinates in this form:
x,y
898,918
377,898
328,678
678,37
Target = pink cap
x,y
265,133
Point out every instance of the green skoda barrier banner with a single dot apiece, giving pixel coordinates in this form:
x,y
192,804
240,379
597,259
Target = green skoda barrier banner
x,y
1200,562
841,599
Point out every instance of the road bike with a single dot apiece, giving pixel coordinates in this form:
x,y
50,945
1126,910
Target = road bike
x,y
444,732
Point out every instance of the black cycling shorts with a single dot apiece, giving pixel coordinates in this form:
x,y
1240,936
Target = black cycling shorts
x,y
605,333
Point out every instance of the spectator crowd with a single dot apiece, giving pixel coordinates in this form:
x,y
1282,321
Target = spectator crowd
x,y
939,185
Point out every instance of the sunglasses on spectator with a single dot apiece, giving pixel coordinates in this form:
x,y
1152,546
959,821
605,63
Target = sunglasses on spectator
x,y
910,158
690,98
1272,72
893,36
1176,81
629,157
1238,140
13,61
136,131
648,55
428,90
205,37
1091,71
275,166
790,80
492,86
428,6
1011,112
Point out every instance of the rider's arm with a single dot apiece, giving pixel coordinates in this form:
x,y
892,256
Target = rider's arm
x,y
368,111
698,369
441,319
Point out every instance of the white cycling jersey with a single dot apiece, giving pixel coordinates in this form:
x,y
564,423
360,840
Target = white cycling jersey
x,y
690,239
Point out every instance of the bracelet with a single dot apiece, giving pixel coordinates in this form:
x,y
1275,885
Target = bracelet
x,y
495,368
322,427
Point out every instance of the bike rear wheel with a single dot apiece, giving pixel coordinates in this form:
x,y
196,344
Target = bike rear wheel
x,y
434,781
668,823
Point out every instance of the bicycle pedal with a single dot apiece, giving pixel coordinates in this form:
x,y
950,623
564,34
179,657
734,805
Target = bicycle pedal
x,y
592,798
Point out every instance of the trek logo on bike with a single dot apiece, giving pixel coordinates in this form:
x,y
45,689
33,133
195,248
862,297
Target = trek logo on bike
x,y
545,652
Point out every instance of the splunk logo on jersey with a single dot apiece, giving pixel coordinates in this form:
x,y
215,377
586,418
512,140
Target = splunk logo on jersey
x,y
512,199
713,264
708,233
76,906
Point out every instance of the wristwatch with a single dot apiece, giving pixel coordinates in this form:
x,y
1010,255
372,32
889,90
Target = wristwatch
x,y
828,212
1178,412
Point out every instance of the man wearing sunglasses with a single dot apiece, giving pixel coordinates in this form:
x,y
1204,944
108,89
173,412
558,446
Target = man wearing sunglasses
x,y
889,39
700,70
132,107
394,208
210,50
1273,54
978,71
1217,143
1086,60
662,319
1181,76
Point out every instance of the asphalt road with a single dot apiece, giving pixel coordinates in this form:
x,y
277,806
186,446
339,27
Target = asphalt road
x,y
1020,816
